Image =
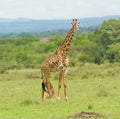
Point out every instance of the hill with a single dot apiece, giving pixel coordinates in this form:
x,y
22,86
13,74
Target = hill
x,y
20,25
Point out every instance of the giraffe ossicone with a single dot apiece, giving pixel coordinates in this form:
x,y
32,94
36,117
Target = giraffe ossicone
x,y
60,62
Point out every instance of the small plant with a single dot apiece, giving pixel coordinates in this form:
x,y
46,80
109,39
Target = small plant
x,y
3,68
84,76
90,106
27,102
32,76
102,92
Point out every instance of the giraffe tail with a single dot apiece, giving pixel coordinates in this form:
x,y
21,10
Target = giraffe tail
x,y
43,83
43,87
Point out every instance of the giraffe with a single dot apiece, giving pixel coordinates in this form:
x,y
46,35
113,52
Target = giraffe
x,y
58,61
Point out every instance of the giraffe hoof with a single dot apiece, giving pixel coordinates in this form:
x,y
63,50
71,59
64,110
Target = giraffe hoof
x,y
66,98
58,98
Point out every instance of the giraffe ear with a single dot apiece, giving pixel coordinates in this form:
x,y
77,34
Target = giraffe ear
x,y
72,21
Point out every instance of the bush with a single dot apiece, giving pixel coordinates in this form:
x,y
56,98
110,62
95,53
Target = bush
x,y
3,67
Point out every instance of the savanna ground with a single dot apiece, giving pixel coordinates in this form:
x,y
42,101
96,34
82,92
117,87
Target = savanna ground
x,y
90,88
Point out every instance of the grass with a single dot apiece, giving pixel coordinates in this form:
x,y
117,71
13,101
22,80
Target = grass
x,y
90,88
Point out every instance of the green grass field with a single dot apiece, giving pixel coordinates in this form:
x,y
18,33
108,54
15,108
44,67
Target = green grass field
x,y
90,88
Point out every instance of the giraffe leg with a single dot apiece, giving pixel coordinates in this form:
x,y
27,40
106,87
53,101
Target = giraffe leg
x,y
49,89
52,91
42,94
47,82
60,83
44,91
65,86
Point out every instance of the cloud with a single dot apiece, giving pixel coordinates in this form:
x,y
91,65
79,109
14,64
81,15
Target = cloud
x,y
60,9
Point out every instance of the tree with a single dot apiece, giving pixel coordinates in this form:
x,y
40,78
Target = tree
x,y
113,53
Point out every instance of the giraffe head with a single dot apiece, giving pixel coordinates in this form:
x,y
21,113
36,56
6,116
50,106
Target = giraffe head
x,y
75,24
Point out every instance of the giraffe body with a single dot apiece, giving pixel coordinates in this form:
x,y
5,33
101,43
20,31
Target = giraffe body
x,y
58,61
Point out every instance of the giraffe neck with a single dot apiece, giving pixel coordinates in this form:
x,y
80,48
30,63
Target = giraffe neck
x,y
64,47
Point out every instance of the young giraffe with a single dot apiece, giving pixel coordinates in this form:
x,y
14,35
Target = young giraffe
x,y
58,61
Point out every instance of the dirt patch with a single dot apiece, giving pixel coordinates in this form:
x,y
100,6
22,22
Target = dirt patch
x,y
85,115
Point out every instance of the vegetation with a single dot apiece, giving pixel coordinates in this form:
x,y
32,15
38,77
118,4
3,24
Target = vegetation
x,y
90,88
102,45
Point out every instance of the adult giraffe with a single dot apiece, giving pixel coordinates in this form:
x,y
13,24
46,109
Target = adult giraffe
x,y
58,61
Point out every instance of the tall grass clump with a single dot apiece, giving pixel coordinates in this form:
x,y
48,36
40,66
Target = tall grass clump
x,y
102,91
27,102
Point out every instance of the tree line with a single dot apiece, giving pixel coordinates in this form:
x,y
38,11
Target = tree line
x,y
99,46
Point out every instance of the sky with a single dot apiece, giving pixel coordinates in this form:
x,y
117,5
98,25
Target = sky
x,y
58,9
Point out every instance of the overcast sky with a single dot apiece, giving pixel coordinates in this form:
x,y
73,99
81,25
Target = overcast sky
x,y
58,9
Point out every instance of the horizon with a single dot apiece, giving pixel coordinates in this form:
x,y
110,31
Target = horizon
x,y
26,25
20,18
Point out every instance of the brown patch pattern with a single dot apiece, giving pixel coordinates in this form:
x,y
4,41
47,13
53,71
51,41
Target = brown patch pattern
x,y
85,115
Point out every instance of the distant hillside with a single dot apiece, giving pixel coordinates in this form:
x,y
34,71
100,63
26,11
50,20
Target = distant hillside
x,y
20,25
